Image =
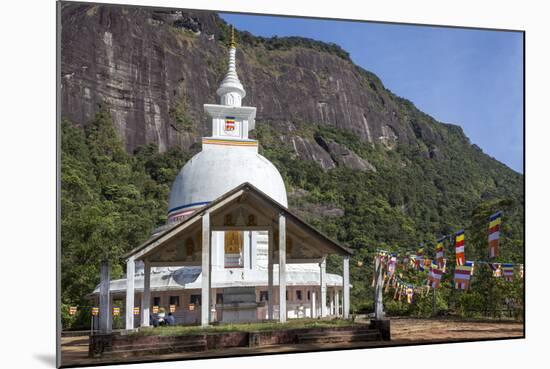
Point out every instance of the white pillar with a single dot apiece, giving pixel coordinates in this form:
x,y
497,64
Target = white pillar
x,y
378,298
270,294
337,301
345,297
247,244
323,284
146,295
213,313
313,307
104,298
331,298
130,271
282,268
205,291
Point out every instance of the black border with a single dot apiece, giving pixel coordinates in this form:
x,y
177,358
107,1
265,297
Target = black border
x,y
59,4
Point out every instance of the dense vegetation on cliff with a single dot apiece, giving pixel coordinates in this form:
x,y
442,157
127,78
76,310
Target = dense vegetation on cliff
x,y
387,176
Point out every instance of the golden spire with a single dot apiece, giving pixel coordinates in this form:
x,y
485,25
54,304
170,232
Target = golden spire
x,y
232,43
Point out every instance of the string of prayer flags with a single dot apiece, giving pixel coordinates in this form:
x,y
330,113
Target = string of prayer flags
x,y
494,233
440,252
459,247
463,274
508,272
497,271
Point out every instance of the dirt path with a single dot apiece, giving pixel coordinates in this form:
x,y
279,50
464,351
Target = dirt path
x,y
404,331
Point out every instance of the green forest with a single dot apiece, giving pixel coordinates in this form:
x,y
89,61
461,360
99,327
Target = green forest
x,y
111,200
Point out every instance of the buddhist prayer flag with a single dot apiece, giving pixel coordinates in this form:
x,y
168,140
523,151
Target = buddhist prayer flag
x,y
439,253
406,261
521,271
463,274
396,293
508,272
494,233
419,260
434,278
459,247
444,265
410,294
495,267
116,311
392,264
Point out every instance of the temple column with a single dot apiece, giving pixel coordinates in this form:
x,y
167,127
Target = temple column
x,y
282,268
323,284
313,307
130,271
247,241
331,298
104,298
270,295
213,312
345,292
146,294
337,301
206,269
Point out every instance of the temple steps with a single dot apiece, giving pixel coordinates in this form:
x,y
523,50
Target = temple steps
x,y
341,336
158,349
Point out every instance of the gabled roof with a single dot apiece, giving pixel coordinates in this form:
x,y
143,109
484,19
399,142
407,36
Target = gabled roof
x,y
212,206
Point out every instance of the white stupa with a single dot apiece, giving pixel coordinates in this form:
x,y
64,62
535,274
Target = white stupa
x,y
228,159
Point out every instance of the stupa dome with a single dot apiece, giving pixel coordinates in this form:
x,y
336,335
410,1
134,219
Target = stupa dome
x,y
211,173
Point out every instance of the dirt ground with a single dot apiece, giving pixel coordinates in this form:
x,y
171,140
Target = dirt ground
x,y
404,331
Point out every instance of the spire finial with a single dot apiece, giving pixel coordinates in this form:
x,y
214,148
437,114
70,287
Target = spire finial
x,y
232,44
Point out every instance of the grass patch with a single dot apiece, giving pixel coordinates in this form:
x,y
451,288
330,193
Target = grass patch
x,y
180,330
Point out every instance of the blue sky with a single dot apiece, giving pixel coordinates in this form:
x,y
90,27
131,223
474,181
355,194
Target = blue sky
x,y
473,78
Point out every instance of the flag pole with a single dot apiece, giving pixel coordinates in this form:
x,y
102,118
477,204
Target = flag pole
x,y
433,303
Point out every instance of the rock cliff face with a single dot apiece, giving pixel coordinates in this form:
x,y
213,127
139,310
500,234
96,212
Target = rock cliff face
x,y
362,164
155,69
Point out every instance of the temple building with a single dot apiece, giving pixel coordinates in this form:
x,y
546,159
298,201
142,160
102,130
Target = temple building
x,y
231,251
